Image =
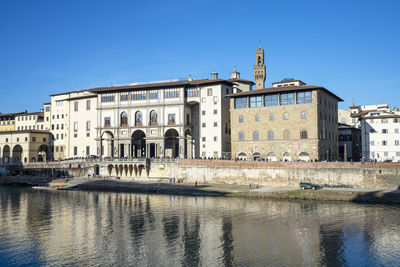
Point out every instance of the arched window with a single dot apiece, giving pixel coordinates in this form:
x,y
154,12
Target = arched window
x,y
241,136
285,116
271,117
270,135
304,115
153,117
286,134
124,119
255,136
138,118
257,117
259,61
240,118
303,134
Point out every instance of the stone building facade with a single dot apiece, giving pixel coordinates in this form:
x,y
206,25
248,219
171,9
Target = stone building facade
x,y
289,121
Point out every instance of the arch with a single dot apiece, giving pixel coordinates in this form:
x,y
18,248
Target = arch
x,y
96,170
171,143
271,135
286,134
138,143
259,61
107,144
271,156
286,156
130,169
138,118
33,159
242,156
110,168
126,170
42,153
17,153
304,156
6,154
256,156
124,119
188,153
153,117
255,136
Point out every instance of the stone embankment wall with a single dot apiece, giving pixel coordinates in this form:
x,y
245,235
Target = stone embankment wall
x,y
357,175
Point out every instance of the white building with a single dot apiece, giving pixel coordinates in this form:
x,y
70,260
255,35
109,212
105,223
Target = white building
x,y
380,134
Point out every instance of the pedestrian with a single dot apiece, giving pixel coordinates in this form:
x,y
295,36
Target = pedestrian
x,y
249,185
195,184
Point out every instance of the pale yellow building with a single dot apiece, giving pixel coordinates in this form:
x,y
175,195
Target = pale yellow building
x,y
7,121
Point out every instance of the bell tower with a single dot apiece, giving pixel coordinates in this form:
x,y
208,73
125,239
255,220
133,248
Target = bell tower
x,y
259,68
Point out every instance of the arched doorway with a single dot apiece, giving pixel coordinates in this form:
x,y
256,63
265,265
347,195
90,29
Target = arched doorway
x,y
256,156
304,156
138,143
42,153
6,154
17,153
286,156
171,143
271,156
107,144
242,156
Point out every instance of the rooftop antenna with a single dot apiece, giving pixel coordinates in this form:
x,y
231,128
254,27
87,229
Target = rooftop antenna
x,y
353,102
259,44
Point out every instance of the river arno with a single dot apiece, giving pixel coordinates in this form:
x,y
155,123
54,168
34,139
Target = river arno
x,y
101,228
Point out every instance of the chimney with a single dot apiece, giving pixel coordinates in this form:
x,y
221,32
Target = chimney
x,y
214,75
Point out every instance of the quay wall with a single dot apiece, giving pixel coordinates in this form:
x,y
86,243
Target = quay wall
x,y
356,175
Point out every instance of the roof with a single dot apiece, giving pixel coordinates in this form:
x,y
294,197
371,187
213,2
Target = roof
x,y
30,113
346,126
284,89
388,116
163,84
70,92
288,81
25,131
11,114
240,80
81,97
47,103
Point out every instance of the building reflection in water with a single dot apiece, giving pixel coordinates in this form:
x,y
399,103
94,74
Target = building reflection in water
x,y
99,228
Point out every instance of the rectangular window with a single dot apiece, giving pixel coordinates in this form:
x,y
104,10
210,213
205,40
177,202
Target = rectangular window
x,y
61,148
192,92
215,99
62,136
203,124
47,109
171,92
396,142
384,131
209,92
286,99
215,111
56,148
124,96
385,154
153,94
138,95
203,112
372,143
107,98
171,119
384,120
384,143
303,97
75,150
203,139
33,139
88,126
76,106
75,126
87,104
215,124
215,138
396,130
107,122
241,102
255,101
397,154
87,150
285,116
240,118
270,100
44,139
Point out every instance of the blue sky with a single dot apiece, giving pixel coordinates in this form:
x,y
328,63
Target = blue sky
x,y
46,47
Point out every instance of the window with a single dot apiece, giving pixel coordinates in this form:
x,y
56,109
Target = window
x,y
171,119
61,148
75,126
384,131
215,139
58,116
88,126
203,112
62,136
76,106
138,95
285,116
87,150
255,101
124,119
257,117
153,94
215,124
396,142
384,120
107,98
215,111
203,139
203,124
371,120
385,154
62,126
192,92
57,136
107,122
396,130
304,115
47,109
271,116
396,120
124,96
44,139
203,100
241,136
240,118
303,134
56,148
215,99
372,143
286,134
397,154
241,102
153,117
138,118
87,104
271,135
384,143
33,139
287,99
62,116
58,126
75,150
303,97
209,92
271,100
171,93
255,136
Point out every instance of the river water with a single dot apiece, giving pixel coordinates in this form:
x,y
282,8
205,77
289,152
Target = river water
x,y
100,228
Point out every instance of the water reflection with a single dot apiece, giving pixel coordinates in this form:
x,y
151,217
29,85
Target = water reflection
x,y
98,228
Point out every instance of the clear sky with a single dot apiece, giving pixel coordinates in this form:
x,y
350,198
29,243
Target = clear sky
x,y
350,47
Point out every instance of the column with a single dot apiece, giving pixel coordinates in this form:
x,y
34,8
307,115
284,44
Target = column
x,y
162,149
181,147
